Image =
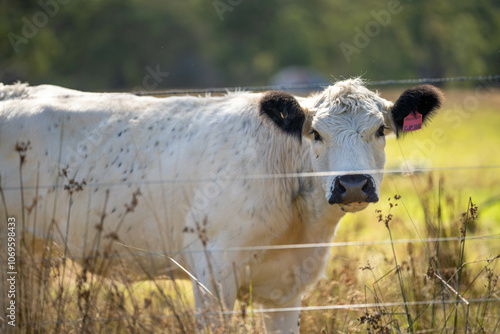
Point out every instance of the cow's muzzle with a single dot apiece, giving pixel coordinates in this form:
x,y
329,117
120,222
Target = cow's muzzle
x,y
356,190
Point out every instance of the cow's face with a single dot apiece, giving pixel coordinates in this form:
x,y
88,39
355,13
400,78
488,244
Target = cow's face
x,y
346,125
348,132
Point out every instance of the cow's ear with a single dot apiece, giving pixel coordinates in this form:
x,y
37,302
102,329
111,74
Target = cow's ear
x,y
423,99
283,110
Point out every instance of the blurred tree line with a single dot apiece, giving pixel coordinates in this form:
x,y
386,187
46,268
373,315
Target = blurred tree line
x,y
122,44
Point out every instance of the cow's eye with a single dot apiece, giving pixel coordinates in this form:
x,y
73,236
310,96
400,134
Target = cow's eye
x,y
317,136
381,131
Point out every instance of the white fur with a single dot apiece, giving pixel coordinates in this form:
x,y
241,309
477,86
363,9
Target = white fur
x,y
189,157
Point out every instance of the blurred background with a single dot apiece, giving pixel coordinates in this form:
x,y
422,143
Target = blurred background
x,y
132,44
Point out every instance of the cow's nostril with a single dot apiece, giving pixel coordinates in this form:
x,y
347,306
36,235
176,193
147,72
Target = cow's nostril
x,y
353,188
341,188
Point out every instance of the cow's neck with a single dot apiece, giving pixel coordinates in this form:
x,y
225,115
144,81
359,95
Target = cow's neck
x,y
313,219
322,228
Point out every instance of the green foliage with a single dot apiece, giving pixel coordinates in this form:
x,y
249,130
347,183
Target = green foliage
x,y
107,44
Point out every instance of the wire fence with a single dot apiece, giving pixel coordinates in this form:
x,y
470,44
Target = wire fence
x,y
179,181
317,86
290,309
145,252
403,171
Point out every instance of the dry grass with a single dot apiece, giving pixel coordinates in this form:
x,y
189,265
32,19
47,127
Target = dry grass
x,y
410,287
407,287
417,286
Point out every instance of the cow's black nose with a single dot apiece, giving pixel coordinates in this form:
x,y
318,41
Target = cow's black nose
x,y
353,188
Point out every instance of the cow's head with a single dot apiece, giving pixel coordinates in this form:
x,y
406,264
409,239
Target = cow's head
x,y
347,128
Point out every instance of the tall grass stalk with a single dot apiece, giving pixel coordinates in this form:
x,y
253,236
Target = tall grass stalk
x,y
47,251
386,221
71,187
21,149
466,219
401,283
4,203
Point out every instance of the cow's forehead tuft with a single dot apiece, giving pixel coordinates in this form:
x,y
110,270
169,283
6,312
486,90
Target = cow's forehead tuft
x,y
350,122
348,96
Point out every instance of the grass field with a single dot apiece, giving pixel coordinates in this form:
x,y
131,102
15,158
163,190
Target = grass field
x,y
377,284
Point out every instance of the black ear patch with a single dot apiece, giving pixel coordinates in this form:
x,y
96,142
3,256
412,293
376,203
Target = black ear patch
x,y
284,111
425,99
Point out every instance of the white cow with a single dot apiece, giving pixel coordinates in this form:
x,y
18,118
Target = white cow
x,y
178,175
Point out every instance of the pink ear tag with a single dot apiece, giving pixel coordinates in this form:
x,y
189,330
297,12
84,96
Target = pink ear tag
x,y
412,122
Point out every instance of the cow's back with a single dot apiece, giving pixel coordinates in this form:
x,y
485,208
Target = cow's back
x,y
158,168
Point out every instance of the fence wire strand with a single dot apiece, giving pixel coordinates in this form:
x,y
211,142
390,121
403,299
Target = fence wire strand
x,y
317,86
329,244
243,177
146,252
289,309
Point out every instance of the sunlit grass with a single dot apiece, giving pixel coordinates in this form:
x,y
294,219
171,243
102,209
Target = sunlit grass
x,y
430,207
